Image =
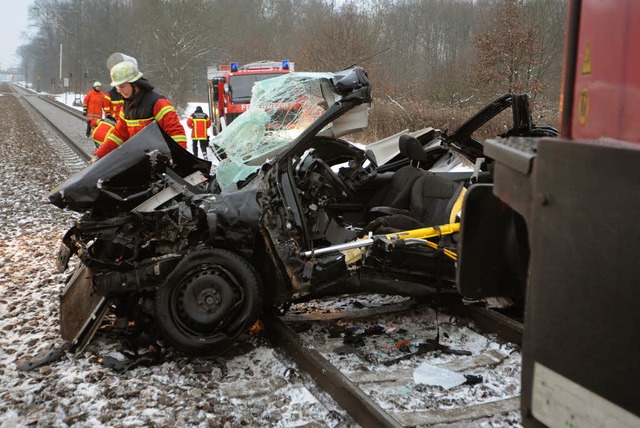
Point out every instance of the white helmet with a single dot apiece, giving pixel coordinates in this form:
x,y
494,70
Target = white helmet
x,y
96,83
124,72
117,58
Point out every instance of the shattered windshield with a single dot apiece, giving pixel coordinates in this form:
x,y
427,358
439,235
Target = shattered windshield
x,y
281,108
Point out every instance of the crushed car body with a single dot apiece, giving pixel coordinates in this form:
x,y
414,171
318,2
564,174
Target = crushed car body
x,y
195,254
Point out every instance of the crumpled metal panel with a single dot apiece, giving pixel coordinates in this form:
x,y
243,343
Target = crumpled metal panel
x,y
82,190
81,310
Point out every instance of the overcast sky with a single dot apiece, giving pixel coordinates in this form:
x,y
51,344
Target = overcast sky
x,y
14,22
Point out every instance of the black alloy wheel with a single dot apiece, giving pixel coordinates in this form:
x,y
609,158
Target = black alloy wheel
x,y
211,297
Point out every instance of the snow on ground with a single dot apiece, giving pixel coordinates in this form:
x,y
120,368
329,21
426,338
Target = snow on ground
x,y
252,385
402,392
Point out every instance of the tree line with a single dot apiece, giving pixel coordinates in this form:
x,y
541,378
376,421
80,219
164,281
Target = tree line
x,y
442,52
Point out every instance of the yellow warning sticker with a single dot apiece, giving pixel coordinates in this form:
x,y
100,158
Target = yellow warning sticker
x,y
586,62
583,106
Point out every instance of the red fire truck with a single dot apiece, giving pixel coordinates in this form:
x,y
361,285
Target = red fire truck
x,y
561,218
229,87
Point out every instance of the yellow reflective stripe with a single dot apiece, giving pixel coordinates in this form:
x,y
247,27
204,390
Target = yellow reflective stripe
x,y
164,111
115,139
136,122
179,138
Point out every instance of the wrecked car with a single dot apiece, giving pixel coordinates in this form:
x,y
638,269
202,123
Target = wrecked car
x,y
194,254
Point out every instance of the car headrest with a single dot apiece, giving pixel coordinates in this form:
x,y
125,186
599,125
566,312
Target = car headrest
x,y
410,147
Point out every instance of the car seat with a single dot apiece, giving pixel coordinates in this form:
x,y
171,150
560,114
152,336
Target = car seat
x,y
435,200
396,195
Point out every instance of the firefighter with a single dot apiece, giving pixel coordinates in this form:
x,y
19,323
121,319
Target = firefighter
x,y
199,123
113,102
92,105
142,106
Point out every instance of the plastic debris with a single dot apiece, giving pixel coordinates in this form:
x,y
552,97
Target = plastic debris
x,y
346,349
375,330
431,375
355,340
354,330
128,360
424,347
43,358
403,345
473,379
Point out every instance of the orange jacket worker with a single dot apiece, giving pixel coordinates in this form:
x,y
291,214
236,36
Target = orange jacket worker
x,y
199,123
113,103
142,106
92,105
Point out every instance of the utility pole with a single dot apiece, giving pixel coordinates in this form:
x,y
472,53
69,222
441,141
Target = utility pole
x,y
60,70
78,71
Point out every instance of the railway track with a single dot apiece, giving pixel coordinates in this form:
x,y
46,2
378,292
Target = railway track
x,y
364,381
67,123
376,381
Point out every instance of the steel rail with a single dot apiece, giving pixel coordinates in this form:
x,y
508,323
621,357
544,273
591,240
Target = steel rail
x,y
348,394
351,398
491,321
72,144
73,112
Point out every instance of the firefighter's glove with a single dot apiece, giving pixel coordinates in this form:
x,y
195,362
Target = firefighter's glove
x,y
84,113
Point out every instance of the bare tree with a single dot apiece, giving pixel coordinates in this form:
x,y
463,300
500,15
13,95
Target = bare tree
x,y
333,40
414,50
180,46
508,59
549,18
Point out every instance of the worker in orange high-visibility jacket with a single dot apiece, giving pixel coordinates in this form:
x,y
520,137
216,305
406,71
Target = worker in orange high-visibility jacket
x,y
142,106
199,123
101,129
113,103
92,105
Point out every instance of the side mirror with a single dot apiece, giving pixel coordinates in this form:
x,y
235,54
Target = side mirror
x,y
227,88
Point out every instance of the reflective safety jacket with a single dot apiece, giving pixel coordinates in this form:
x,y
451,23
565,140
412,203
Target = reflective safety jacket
x,y
92,105
199,123
144,108
113,103
101,129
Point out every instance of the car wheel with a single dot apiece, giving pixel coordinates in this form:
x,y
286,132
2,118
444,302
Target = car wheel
x,y
207,301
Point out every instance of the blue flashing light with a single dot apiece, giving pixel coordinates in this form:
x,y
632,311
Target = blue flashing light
x,y
285,64
234,66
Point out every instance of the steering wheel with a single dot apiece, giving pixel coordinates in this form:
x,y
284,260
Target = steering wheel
x,y
340,189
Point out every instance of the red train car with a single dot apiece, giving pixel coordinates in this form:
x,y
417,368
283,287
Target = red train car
x,y
558,228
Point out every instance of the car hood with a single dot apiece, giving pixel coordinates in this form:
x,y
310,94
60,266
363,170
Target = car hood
x,y
129,168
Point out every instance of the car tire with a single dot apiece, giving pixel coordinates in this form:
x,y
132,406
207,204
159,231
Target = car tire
x,y
207,301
